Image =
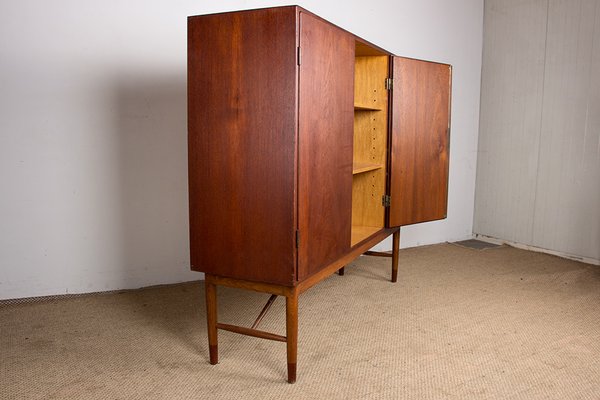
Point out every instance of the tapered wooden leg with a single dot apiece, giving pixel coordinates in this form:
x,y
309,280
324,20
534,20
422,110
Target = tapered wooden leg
x,y
211,321
395,250
341,271
291,329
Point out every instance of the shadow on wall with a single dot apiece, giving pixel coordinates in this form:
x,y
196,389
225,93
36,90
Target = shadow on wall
x,y
152,175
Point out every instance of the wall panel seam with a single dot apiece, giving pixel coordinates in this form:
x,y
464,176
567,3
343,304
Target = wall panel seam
x,y
539,140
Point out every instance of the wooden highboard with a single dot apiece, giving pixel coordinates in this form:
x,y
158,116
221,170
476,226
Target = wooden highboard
x,y
307,146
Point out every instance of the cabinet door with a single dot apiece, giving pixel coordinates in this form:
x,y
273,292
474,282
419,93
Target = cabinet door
x,y
419,141
325,118
241,143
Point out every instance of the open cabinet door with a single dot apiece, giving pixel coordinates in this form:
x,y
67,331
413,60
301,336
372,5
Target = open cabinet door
x,y
420,127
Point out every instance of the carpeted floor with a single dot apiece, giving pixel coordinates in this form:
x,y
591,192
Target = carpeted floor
x,y
459,324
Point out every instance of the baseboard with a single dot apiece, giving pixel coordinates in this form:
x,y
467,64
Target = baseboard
x,y
522,246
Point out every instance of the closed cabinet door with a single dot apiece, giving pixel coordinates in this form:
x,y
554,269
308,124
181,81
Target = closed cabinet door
x,y
325,125
420,129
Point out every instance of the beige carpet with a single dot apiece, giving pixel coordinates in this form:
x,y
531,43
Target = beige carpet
x,y
460,324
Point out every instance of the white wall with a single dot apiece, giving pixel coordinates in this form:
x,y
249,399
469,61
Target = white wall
x,y
93,166
538,175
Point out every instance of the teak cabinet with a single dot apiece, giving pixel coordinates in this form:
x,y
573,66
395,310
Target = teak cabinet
x,y
307,146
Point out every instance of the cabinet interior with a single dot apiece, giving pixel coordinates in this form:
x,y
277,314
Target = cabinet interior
x,y
370,141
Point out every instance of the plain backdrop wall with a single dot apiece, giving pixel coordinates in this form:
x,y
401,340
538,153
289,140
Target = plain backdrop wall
x,y
93,170
538,172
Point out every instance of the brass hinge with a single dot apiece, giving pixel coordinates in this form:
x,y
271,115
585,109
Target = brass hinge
x,y
299,55
389,83
297,238
386,200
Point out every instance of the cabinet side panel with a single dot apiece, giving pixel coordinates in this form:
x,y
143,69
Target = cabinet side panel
x,y
242,85
326,115
419,141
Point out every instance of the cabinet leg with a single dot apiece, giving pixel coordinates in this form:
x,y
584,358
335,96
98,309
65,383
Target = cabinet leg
x,y
395,250
341,271
211,321
291,329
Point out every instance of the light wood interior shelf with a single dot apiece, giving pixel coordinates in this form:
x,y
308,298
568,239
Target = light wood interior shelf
x,y
365,107
370,142
360,233
359,168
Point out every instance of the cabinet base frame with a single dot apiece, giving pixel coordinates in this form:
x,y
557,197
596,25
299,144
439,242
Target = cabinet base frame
x,y
291,294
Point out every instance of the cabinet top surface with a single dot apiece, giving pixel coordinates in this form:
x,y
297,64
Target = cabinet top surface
x,y
361,42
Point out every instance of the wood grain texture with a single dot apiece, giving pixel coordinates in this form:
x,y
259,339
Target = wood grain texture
x,y
367,191
347,258
325,144
291,333
251,332
395,255
279,290
369,82
364,48
370,144
420,140
359,168
210,290
378,254
360,233
242,86
264,311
